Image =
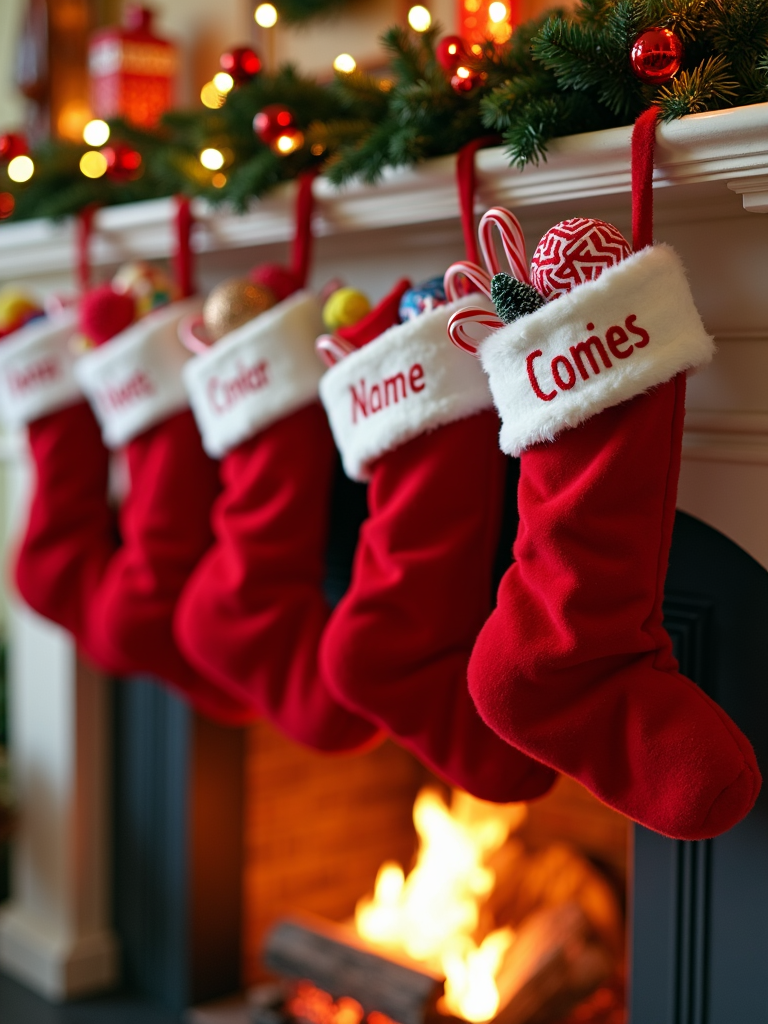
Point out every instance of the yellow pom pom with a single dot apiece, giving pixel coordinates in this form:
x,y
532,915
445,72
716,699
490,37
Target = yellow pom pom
x,y
16,307
344,308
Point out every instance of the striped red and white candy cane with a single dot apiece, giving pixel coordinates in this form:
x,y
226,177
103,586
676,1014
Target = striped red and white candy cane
x,y
192,334
333,349
512,239
462,319
477,276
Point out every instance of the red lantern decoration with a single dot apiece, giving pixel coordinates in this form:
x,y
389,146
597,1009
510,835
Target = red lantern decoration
x,y
132,70
657,55
450,52
123,163
242,63
483,20
272,121
12,145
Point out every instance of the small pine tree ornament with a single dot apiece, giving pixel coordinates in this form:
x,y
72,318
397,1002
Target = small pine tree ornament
x,y
513,298
657,55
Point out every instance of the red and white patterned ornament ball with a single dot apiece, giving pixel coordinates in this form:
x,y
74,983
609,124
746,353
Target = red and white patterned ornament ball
x,y
573,252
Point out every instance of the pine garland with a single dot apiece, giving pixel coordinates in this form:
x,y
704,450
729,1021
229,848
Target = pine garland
x,y
564,74
295,11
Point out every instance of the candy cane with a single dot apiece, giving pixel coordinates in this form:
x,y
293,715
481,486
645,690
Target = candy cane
x,y
460,321
333,349
477,276
512,239
190,329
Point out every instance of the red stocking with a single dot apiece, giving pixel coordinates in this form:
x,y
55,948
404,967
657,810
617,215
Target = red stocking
x,y
412,415
574,665
253,612
69,566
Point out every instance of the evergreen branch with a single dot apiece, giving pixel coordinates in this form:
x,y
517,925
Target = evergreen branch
x,y
499,107
706,87
548,117
297,11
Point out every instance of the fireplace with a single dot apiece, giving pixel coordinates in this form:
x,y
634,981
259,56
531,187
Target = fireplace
x,y
333,871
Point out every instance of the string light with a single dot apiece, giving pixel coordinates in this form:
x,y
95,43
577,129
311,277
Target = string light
x,y
219,180
265,15
419,18
211,97
288,142
212,159
345,63
497,11
93,164
223,82
96,133
463,72
21,169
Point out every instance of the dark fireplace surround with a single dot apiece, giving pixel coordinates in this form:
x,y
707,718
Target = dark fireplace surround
x,y
698,912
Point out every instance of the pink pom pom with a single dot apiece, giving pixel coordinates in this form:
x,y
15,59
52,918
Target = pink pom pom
x,y
573,252
105,312
281,282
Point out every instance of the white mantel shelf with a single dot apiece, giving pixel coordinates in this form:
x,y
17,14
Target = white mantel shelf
x,y
729,146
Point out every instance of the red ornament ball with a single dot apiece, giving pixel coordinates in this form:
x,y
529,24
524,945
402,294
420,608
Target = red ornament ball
x,y
573,252
450,52
123,163
465,79
241,62
657,55
12,145
7,205
272,121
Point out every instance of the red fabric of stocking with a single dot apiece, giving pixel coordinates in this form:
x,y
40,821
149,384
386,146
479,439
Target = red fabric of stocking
x,y
574,666
253,612
118,599
398,643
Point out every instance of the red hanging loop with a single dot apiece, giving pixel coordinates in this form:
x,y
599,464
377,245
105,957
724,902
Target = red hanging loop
x,y
83,233
302,241
465,181
643,146
183,256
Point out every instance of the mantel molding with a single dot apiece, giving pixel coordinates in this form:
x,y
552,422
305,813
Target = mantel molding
x,y
728,146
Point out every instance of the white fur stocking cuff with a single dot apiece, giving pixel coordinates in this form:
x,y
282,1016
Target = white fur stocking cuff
x,y
36,370
409,380
257,374
134,380
636,326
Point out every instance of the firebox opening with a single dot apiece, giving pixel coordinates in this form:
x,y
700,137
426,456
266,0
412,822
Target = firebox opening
x,y
509,914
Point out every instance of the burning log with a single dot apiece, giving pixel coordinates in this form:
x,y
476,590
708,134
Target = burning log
x,y
334,960
550,967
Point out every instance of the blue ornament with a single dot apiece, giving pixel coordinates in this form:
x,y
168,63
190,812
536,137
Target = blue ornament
x,y
428,295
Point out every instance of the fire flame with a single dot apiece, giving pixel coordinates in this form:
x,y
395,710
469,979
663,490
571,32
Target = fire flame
x,y
433,915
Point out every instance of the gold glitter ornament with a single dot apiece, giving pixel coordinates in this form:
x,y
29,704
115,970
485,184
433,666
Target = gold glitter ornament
x,y
232,304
